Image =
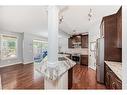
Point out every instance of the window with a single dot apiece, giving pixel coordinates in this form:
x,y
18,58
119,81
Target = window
x,y
39,46
8,47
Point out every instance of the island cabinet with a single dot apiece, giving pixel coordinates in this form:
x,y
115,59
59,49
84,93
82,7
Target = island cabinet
x,y
84,60
84,41
111,80
70,78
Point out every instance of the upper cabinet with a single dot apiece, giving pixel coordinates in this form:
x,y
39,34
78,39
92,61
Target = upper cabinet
x,y
84,41
78,41
111,30
70,45
119,28
113,23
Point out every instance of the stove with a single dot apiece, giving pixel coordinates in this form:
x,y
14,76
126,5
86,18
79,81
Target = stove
x,y
76,57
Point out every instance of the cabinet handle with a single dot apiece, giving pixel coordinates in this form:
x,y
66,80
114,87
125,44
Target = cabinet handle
x,y
113,83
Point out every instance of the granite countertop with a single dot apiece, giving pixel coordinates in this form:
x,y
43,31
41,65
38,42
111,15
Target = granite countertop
x,y
63,55
116,67
55,71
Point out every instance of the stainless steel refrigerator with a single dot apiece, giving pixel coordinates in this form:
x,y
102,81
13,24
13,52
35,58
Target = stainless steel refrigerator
x,y
100,60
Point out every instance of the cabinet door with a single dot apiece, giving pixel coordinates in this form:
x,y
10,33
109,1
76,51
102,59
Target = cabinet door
x,y
70,78
84,60
70,45
115,83
84,41
119,28
77,38
111,52
111,80
107,79
118,83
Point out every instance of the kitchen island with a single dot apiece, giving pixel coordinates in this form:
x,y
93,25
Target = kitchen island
x,y
58,72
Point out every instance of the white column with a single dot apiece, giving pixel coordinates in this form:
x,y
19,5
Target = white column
x,y
52,34
62,82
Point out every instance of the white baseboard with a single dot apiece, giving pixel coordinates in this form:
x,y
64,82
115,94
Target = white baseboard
x,y
92,67
11,64
28,62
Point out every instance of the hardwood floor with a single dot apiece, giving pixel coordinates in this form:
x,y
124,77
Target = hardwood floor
x,y
25,77
85,78
21,77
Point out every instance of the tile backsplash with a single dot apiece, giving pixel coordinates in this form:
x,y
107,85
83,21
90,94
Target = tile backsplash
x,y
83,51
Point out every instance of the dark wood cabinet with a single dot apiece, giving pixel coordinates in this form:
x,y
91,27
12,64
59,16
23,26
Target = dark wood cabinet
x,y
119,28
80,40
70,44
107,77
111,80
70,78
76,38
109,29
84,60
84,41
107,80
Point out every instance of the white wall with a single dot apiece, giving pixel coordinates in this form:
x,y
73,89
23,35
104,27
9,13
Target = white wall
x,y
28,46
20,54
93,35
124,47
63,41
25,48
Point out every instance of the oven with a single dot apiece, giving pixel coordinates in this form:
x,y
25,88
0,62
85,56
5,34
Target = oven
x,y
76,58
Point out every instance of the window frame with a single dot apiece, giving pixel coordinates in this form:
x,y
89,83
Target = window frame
x,y
41,41
8,58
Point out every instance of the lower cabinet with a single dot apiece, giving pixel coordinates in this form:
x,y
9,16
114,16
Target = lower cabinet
x,y
84,60
111,80
70,78
107,80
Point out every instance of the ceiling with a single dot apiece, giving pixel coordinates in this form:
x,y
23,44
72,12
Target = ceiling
x,y
33,19
76,17
24,19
